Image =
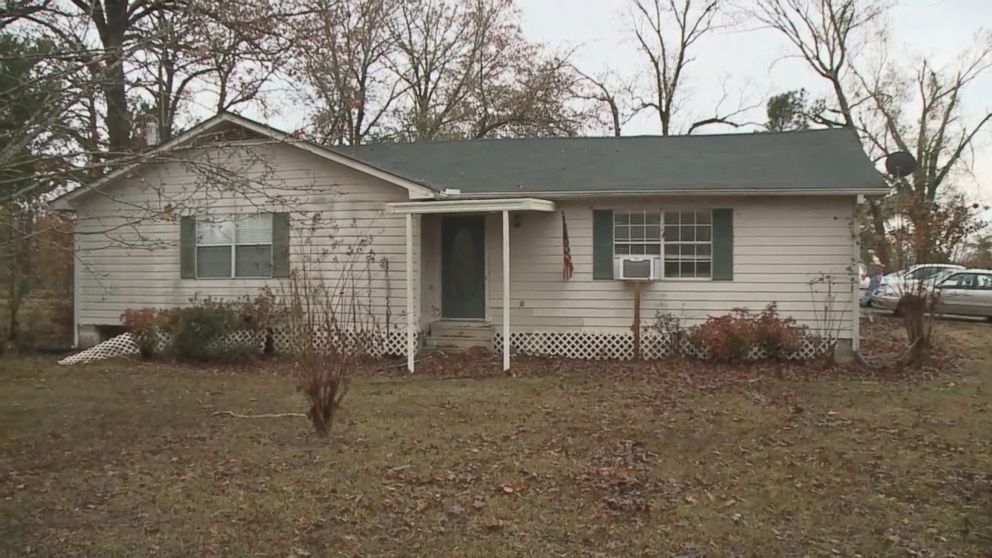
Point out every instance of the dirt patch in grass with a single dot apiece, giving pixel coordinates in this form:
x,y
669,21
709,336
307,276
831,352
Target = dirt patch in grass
x,y
129,459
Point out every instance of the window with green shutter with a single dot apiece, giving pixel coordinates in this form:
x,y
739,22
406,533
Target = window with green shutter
x,y
602,244
723,244
239,246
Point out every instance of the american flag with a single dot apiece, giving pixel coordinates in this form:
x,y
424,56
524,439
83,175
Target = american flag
x,y
567,268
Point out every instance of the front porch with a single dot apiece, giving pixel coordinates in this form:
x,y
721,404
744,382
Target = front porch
x,y
448,287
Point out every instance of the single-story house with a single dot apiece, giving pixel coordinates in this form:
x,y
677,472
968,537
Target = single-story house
x,y
542,241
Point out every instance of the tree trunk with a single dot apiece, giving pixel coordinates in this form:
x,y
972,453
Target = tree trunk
x,y
878,225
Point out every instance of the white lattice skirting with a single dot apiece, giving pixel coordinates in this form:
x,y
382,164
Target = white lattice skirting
x,y
619,345
584,345
391,343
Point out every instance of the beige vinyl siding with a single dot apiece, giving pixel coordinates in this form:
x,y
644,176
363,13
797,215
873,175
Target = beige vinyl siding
x,y
128,254
780,245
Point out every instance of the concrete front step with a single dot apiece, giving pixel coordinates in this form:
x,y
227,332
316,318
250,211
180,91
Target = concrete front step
x,y
457,336
457,344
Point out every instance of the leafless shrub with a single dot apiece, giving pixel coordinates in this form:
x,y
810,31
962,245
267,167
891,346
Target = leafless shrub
x,y
916,307
828,298
670,326
331,328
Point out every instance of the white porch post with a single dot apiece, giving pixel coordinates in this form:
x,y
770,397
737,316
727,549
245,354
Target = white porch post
x,y
411,325
506,290
856,284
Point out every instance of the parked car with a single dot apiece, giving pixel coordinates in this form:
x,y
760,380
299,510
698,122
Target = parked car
x,y
964,292
907,280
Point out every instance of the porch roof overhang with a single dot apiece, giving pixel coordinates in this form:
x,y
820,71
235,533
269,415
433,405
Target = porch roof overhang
x,y
470,206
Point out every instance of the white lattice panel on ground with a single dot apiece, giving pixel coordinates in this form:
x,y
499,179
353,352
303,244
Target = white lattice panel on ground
x,y
122,345
391,343
619,345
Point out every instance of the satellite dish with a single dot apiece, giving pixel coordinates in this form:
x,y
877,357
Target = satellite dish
x,y
900,164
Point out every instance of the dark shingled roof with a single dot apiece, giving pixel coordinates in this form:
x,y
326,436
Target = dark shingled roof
x,y
765,162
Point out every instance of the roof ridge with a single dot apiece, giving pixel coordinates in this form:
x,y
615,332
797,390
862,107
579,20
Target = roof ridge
x,y
756,133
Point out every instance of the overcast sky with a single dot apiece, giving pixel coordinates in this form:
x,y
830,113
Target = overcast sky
x,y
751,60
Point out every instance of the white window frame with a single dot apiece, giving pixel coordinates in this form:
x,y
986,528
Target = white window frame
x,y
233,245
644,241
680,259
661,241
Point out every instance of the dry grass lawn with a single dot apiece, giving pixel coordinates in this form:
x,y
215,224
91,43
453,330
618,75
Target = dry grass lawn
x,y
128,459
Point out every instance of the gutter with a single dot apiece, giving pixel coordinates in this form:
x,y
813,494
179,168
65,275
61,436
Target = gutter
x,y
572,194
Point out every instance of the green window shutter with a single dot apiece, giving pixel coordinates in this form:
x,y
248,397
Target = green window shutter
x,y
280,244
602,244
187,248
723,244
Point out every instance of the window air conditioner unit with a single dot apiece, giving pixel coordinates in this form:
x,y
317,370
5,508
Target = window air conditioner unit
x,y
637,268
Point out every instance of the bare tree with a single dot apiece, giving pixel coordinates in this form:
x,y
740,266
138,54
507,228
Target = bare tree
x,y
222,50
532,97
438,43
667,32
140,52
468,71
342,54
922,114
611,93
824,34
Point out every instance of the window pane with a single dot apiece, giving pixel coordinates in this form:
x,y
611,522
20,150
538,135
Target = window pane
x,y
703,218
208,233
960,281
622,232
621,217
637,218
688,233
213,261
703,233
653,218
253,261
637,249
703,269
254,229
687,269
703,250
672,250
672,233
687,218
671,269
652,232
653,249
636,232
622,249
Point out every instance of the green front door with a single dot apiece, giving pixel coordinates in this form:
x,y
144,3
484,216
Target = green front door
x,y
463,267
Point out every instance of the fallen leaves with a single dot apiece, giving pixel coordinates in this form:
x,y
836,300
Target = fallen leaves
x,y
580,459
513,487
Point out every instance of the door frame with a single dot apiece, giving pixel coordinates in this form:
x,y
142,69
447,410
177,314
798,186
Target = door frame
x,y
485,264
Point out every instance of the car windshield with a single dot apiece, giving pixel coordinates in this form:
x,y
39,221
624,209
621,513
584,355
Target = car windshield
x,y
944,274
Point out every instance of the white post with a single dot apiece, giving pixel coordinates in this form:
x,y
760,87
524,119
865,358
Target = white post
x,y
856,283
76,276
411,325
506,290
